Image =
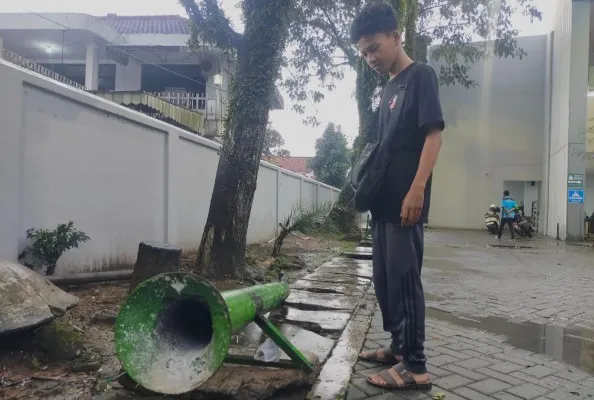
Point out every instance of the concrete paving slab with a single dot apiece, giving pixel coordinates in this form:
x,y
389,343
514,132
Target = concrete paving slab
x,y
360,271
321,301
306,341
330,287
316,321
337,278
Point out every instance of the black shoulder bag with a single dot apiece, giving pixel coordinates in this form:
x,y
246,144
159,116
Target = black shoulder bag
x,y
367,176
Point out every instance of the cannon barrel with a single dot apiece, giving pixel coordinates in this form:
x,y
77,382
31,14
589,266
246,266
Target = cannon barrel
x,y
174,330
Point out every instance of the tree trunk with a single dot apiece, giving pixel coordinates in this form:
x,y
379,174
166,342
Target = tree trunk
x,y
154,259
222,248
278,242
343,214
50,269
411,19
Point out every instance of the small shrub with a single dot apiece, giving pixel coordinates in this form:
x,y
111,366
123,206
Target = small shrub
x,y
48,246
305,220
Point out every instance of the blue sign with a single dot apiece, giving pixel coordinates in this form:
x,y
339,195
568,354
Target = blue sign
x,y
575,196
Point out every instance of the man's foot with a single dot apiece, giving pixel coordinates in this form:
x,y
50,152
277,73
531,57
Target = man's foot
x,y
380,356
397,378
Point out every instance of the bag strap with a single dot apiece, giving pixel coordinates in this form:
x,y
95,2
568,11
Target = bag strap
x,y
402,87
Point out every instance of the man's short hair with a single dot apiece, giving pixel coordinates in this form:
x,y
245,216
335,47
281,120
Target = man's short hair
x,y
506,193
375,17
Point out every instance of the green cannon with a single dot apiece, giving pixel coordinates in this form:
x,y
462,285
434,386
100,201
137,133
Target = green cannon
x,y
174,330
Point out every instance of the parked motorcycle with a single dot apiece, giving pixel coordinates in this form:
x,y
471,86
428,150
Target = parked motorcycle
x,y
522,227
492,219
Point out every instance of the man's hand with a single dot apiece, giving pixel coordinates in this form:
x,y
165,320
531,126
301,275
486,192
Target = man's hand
x,y
412,206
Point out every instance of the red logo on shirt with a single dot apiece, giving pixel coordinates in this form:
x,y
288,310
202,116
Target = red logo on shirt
x,y
392,102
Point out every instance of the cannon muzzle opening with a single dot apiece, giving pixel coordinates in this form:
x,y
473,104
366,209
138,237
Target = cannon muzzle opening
x,y
174,330
177,325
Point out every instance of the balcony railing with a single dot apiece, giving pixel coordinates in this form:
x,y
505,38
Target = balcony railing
x,y
23,62
190,100
192,119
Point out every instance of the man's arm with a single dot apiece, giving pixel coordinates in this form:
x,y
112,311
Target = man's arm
x,y
431,124
428,158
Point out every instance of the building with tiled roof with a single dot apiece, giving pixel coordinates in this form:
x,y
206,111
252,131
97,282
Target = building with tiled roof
x,y
142,58
148,24
299,165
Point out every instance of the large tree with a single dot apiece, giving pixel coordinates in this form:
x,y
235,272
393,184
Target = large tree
x,y
259,51
331,161
462,32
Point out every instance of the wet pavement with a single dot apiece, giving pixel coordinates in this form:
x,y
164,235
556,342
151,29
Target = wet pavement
x,y
548,283
505,320
466,363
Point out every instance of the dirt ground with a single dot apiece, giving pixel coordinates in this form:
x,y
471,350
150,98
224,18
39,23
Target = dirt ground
x,y
28,372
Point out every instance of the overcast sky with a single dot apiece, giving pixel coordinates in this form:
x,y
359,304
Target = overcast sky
x,y
338,107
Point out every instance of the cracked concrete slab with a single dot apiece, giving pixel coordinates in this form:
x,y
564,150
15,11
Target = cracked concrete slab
x,y
321,301
360,271
336,278
358,254
329,321
329,287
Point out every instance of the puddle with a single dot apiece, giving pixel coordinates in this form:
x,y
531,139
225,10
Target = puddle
x,y
443,264
432,297
507,246
572,346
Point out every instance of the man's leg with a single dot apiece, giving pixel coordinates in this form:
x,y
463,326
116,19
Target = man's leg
x,y
511,228
379,247
407,304
501,226
404,257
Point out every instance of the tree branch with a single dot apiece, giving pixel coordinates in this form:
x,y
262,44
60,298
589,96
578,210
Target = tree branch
x,y
211,24
424,10
431,28
346,49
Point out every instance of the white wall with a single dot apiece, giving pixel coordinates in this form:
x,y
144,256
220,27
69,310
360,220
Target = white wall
x,y
568,114
589,195
494,133
121,176
558,151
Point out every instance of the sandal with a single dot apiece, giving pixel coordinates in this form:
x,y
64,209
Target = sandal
x,y
380,356
397,378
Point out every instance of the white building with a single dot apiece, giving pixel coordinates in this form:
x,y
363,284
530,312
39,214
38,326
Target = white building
x,y
525,128
140,61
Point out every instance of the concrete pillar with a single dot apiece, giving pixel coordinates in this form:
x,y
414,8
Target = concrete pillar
x,y
213,107
578,111
128,77
92,67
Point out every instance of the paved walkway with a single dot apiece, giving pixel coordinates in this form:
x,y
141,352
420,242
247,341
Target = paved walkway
x,y
546,284
544,281
472,365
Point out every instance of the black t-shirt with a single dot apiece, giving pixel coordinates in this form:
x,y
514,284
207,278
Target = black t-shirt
x,y
420,113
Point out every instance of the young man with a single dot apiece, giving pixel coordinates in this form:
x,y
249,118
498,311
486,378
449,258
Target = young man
x,y
402,206
508,214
